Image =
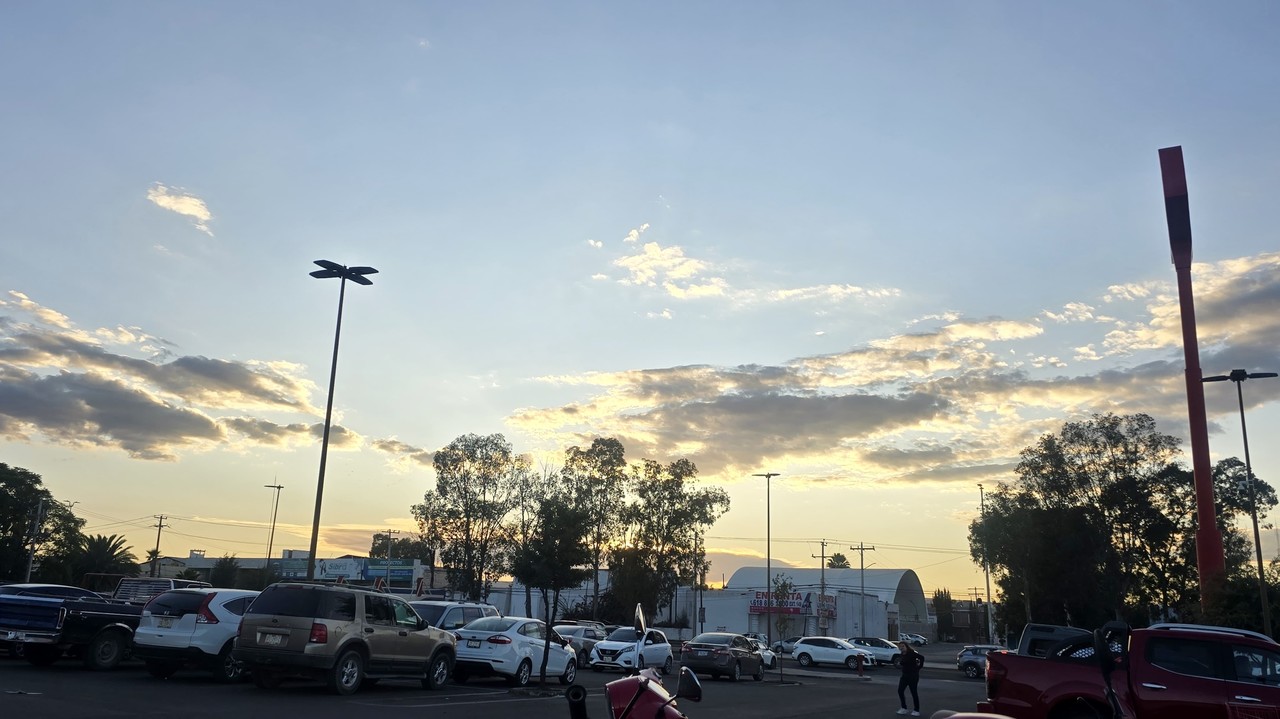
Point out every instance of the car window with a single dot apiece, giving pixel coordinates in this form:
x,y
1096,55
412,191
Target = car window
x,y
492,624
1182,656
470,614
532,629
175,604
288,601
623,634
454,617
377,610
1252,664
340,606
238,605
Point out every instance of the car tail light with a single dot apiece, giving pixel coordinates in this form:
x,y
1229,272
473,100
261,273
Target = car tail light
x,y
721,651
499,639
319,634
203,615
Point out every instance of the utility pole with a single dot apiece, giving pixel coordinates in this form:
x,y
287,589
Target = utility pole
x,y
986,566
862,586
37,528
271,536
155,563
389,533
822,584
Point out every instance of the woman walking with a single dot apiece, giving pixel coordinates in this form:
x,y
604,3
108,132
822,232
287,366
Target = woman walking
x,y
910,662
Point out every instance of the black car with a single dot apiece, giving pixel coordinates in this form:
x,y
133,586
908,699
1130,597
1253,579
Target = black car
x,y
723,654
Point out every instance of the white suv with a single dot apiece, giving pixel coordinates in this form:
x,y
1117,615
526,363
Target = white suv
x,y
192,627
625,649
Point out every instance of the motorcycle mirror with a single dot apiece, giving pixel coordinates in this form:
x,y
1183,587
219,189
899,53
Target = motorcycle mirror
x,y
689,688
640,626
1102,646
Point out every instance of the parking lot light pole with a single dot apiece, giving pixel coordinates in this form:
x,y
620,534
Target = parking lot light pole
x,y
271,536
344,273
768,559
1239,376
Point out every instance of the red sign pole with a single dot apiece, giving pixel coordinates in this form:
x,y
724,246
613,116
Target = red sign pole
x,y
1210,559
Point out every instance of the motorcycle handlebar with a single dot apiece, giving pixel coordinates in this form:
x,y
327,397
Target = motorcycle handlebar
x,y
576,695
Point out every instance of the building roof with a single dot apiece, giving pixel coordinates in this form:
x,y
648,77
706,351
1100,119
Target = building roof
x,y
896,586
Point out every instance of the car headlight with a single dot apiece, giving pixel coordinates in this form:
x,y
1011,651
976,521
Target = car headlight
x,y
631,648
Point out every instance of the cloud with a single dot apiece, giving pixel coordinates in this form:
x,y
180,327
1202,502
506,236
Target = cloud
x,y
663,315
183,204
595,243
634,234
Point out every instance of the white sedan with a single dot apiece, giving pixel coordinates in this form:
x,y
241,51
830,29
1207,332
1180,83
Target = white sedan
x,y
809,651
511,647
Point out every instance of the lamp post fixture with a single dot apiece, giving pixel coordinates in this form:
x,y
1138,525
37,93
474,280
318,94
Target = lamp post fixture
x,y
768,559
1239,376
271,536
356,275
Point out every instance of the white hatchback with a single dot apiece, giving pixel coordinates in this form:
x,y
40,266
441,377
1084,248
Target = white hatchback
x,y
192,628
511,647
809,651
625,649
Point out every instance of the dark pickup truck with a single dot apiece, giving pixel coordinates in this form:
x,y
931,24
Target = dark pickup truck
x,y
99,631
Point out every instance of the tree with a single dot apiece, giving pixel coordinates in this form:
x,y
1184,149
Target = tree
x,y
531,490
597,480
224,572
30,516
189,574
942,609
783,588
153,562
464,515
105,555
552,559
837,561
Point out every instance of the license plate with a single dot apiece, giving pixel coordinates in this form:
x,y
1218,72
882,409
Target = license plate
x,y
270,640
165,622
473,643
701,653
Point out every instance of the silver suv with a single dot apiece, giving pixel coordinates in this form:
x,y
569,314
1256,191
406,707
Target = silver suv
x,y
342,635
452,615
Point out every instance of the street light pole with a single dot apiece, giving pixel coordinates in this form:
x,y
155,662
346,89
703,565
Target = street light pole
x,y
356,275
768,559
271,536
1239,376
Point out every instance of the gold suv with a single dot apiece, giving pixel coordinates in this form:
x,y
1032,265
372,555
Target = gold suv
x,y
341,635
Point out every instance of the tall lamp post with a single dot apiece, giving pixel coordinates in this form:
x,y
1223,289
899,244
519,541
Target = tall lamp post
x,y
1239,376
271,536
344,273
768,560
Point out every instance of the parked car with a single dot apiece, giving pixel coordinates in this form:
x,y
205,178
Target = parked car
x,y
884,651
583,637
809,651
916,640
452,615
192,628
757,635
341,635
784,646
723,654
512,647
972,659
27,589
766,654
624,650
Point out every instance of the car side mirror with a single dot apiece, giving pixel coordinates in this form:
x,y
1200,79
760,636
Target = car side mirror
x,y
689,688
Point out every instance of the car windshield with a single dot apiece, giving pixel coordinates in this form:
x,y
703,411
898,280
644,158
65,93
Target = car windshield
x,y
623,634
842,644
712,639
491,624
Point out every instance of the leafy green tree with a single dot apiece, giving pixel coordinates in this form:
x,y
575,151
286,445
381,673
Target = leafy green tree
x,y
837,561
225,571
29,515
412,547
597,479
783,587
630,583
942,609
465,515
101,554
552,559
532,490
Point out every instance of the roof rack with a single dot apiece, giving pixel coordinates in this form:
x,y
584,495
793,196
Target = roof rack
x,y
1208,628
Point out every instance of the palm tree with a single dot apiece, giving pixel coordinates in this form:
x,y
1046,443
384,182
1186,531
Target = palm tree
x,y
153,560
106,555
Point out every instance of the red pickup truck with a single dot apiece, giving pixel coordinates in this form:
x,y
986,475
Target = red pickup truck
x,y
1167,671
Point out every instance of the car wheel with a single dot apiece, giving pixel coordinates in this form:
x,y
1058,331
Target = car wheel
x,y
666,667
228,669
265,679
972,671
161,670
438,671
105,651
521,677
347,672
759,675
570,672
804,660
40,655
851,662
639,664
736,673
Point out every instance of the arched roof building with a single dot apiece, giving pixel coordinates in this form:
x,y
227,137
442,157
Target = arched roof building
x,y
895,586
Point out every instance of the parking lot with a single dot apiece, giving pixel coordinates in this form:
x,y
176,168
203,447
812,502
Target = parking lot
x,y
68,691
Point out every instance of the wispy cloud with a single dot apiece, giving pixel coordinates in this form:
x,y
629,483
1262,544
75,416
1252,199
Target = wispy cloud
x,y
634,234
183,204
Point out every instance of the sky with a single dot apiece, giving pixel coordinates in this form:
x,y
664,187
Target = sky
x,y
877,248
